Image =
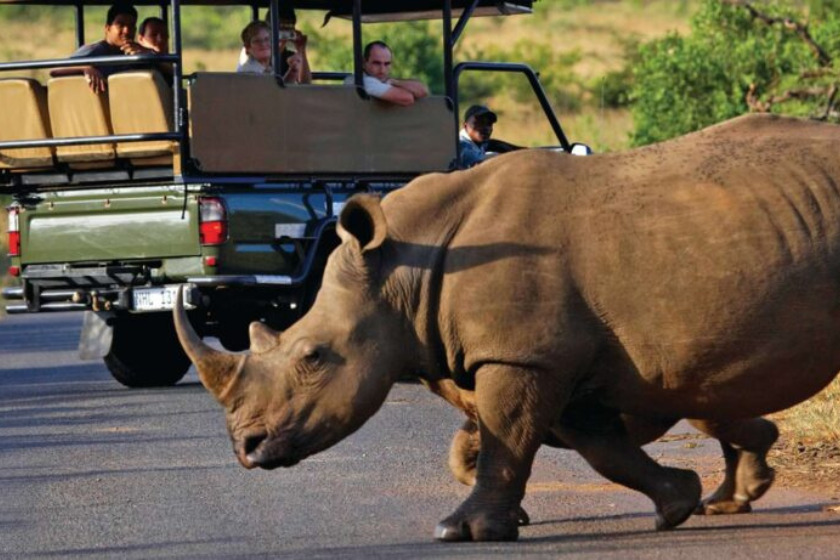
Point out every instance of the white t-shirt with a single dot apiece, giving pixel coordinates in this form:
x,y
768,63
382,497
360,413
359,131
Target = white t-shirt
x,y
251,66
374,87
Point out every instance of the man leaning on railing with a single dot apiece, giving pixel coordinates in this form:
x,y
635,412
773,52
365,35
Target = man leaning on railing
x,y
120,28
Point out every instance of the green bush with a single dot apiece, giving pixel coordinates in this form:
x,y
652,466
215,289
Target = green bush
x,y
555,69
682,84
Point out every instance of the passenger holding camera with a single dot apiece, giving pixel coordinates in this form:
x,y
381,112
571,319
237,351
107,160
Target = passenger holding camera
x,y
256,53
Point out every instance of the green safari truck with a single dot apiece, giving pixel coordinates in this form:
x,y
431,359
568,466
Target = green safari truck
x,y
226,184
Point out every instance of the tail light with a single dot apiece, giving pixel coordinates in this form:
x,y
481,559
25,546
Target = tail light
x,y
14,232
212,221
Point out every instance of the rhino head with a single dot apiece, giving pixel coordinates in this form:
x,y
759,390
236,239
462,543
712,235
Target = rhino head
x,y
301,391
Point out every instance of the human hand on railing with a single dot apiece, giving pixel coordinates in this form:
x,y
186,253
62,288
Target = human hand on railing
x,y
96,81
131,47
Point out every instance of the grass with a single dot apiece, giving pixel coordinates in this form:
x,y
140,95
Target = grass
x,y
815,420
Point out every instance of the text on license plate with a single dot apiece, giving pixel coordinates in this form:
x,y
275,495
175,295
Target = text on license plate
x,y
155,299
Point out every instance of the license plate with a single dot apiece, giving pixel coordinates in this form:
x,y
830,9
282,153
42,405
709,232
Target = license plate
x,y
158,299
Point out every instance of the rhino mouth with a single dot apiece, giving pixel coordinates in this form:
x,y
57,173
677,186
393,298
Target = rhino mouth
x,y
267,452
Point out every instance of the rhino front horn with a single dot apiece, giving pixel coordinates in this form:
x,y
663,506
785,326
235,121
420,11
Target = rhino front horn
x,y
215,369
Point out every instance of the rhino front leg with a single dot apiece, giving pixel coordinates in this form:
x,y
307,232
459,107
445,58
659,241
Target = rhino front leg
x,y
515,407
745,444
463,457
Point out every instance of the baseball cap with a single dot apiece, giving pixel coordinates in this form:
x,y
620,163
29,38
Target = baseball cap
x,y
479,110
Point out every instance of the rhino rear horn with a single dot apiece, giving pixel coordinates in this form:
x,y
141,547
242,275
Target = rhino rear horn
x,y
262,338
215,369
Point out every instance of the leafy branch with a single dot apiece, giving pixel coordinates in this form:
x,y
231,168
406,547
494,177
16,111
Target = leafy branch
x,y
824,61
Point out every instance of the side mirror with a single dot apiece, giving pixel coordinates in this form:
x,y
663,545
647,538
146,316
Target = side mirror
x,y
579,149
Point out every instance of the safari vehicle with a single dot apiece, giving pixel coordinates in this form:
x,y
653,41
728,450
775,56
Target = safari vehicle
x,y
228,184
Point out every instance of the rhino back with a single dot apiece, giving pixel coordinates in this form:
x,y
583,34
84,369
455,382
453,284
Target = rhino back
x,y
710,261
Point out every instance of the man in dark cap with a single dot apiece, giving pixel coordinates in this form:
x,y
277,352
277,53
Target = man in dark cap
x,y
474,137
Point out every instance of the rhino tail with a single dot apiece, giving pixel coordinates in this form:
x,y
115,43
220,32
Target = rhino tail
x,y
216,369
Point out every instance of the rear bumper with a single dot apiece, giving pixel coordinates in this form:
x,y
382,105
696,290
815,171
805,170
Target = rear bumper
x,y
83,298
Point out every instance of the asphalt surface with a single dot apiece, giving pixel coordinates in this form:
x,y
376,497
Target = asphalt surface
x,y
89,469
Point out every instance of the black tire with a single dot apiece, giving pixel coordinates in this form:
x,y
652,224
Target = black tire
x,y
145,351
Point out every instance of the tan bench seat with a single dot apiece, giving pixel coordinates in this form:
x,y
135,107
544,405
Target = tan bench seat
x,y
76,111
247,123
24,116
141,102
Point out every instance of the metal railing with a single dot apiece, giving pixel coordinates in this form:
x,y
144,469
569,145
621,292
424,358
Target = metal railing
x,y
536,86
141,61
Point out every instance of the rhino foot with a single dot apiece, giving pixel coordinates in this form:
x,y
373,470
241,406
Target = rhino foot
x,y
708,507
678,500
757,481
754,487
478,527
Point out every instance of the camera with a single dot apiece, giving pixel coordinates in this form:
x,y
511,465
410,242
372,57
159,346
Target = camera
x,y
286,35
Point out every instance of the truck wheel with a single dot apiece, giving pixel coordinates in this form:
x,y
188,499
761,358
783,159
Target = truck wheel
x,y
145,351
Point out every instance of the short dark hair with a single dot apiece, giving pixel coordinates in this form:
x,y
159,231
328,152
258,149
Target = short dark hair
x,y
147,22
120,8
369,47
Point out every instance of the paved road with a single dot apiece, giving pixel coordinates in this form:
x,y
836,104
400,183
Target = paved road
x,y
89,469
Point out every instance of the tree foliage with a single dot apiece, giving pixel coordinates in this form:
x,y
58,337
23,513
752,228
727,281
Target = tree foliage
x,y
739,57
416,46
554,67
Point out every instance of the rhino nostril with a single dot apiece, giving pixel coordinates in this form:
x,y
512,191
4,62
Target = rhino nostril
x,y
251,442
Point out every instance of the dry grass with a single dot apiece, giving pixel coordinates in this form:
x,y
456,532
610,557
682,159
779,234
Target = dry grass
x,y
807,454
817,420
597,31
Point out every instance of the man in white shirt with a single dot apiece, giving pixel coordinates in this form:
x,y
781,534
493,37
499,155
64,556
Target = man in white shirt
x,y
379,83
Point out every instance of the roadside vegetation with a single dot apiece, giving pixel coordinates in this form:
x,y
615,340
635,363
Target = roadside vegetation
x,y
619,74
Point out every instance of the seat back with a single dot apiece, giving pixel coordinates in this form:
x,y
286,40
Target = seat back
x,y
247,123
141,102
24,116
76,111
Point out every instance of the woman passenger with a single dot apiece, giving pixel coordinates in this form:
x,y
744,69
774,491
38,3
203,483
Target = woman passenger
x,y
256,41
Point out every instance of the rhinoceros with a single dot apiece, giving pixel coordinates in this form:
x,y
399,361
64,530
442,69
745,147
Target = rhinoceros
x,y
582,302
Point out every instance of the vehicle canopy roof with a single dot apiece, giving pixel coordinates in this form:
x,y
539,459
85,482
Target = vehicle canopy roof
x,y
371,8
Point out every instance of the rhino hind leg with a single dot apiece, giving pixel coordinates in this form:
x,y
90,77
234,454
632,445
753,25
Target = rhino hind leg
x,y
616,456
463,453
745,444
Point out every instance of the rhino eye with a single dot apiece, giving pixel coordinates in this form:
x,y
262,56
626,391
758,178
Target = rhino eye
x,y
312,355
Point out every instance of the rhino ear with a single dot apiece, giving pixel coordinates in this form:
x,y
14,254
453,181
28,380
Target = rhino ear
x,y
363,221
263,338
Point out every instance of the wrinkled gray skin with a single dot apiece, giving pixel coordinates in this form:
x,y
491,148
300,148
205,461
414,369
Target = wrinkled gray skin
x,y
583,302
